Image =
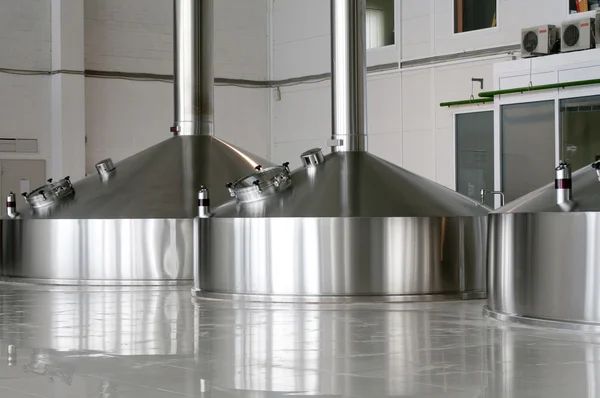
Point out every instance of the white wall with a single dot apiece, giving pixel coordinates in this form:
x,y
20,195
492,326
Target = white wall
x,y
25,43
25,34
406,124
301,31
124,117
129,35
137,36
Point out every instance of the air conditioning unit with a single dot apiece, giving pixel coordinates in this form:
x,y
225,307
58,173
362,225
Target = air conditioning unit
x,y
578,35
538,40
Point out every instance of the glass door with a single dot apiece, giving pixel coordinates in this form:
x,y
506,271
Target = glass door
x,y
579,133
528,147
475,154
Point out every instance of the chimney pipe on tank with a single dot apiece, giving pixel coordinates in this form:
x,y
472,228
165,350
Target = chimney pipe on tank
x,y
193,47
349,74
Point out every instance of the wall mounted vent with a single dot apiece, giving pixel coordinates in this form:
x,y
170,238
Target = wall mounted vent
x,y
538,40
18,145
578,35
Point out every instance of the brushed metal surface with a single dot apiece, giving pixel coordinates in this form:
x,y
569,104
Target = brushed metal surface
x,y
545,266
585,194
544,258
322,299
134,228
354,226
161,182
332,258
349,75
542,323
357,184
193,42
103,252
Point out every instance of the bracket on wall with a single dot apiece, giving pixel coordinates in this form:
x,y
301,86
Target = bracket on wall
x,y
467,102
472,99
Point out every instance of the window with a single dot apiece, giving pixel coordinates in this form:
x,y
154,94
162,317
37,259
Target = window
x,y
475,155
380,23
579,135
528,147
577,6
472,15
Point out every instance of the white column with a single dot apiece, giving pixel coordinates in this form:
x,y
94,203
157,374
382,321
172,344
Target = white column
x,y
67,90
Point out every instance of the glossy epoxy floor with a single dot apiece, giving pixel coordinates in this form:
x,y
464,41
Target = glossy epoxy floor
x,y
153,343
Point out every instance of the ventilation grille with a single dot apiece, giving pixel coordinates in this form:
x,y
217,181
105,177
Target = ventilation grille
x,y
18,145
530,41
571,35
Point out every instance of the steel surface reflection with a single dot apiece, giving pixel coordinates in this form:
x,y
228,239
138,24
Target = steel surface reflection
x,y
118,321
544,258
140,343
539,363
104,252
543,269
342,258
332,349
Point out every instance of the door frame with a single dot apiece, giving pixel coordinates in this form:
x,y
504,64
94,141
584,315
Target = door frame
x,y
455,144
551,95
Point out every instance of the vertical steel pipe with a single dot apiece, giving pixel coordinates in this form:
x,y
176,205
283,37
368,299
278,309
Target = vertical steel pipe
x,y
349,74
193,67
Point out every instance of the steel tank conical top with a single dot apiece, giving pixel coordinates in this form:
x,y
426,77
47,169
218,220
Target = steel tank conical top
x,y
133,222
348,226
544,257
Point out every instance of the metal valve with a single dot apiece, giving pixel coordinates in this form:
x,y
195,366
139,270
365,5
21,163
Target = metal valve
x,y
11,206
231,190
484,193
257,185
596,166
203,203
563,183
12,355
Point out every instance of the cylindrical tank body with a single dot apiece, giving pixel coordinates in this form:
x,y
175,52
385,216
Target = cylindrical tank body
x,y
331,238
544,257
346,227
343,259
134,228
133,223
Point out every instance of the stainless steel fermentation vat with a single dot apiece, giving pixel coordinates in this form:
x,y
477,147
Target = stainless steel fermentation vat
x,y
132,223
350,226
544,256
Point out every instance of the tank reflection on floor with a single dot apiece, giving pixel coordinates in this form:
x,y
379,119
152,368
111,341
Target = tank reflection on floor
x,y
121,321
134,343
